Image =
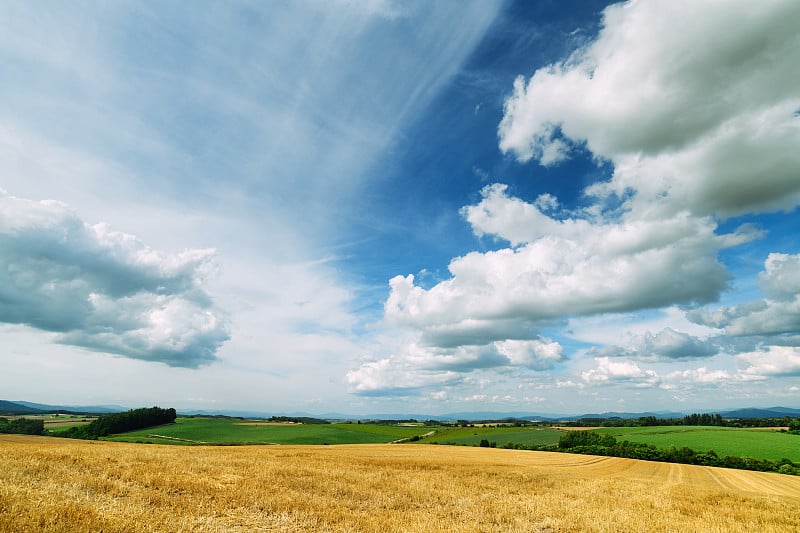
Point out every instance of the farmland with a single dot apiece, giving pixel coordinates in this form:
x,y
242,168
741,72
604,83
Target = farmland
x,y
756,443
236,431
51,484
472,436
54,421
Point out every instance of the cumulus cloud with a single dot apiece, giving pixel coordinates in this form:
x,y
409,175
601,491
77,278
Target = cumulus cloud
x,y
709,128
667,344
609,371
697,376
394,376
774,319
536,354
781,276
417,366
562,268
695,133
104,290
774,361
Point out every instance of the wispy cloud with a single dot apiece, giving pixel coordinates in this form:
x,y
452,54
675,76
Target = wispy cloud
x,y
249,129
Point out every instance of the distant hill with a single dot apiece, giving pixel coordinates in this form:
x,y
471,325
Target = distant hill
x,y
14,408
628,416
74,408
766,412
20,407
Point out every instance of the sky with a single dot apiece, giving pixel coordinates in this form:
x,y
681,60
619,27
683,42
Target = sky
x,y
374,206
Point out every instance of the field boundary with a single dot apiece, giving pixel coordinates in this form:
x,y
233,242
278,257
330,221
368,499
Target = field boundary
x,y
416,437
177,439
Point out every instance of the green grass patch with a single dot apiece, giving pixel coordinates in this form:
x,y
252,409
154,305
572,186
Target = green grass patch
x,y
54,431
741,442
229,431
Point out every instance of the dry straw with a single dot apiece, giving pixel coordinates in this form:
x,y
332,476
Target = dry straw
x,y
49,484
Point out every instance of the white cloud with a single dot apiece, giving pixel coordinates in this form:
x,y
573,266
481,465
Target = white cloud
x,y
243,127
535,354
697,376
417,366
393,376
781,276
771,319
546,202
105,290
710,128
565,267
774,361
667,344
609,371
695,133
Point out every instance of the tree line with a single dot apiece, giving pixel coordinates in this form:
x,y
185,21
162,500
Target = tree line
x,y
298,420
592,443
695,419
122,423
23,426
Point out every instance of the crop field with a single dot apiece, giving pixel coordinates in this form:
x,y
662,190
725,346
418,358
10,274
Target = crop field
x,y
57,421
60,485
756,443
471,436
234,431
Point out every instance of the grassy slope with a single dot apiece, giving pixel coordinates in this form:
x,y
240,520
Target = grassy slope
x,y
758,444
214,430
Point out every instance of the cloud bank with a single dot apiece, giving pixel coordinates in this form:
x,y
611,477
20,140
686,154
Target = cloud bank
x,y
104,290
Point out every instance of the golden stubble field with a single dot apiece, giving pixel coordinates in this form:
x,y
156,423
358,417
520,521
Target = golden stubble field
x,y
49,484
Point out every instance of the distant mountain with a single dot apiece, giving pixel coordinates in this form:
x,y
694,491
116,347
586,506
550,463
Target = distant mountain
x,y
16,408
19,407
494,415
32,408
766,412
628,416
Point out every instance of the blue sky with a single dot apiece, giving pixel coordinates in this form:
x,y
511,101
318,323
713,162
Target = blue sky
x,y
387,206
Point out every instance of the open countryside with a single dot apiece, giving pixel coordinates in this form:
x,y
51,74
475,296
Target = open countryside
x,y
110,486
757,443
200,430
769,444
235,431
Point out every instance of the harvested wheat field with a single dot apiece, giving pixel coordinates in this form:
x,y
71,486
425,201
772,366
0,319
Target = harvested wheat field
x,y
49,484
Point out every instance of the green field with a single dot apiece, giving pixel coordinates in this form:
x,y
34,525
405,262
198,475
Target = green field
x,y
472,436
759,444
756,443
234,431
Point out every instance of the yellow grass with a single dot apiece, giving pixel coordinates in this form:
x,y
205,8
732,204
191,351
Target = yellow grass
x,y
49,484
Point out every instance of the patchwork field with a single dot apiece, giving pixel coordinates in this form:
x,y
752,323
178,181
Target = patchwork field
x,y
50,484
57,421
233,431
472,436
756,443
